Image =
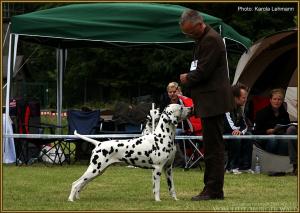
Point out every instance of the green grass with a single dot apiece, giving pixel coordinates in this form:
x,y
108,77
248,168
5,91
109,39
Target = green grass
x,y
38,187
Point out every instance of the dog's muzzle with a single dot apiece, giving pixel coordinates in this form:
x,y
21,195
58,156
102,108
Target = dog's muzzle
x,y
190,111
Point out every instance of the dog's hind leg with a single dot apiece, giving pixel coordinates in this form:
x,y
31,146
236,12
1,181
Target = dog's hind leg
x,y
156,182
77,186
100,171
92,172
169,176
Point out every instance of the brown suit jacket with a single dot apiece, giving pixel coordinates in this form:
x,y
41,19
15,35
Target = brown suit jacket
x,y
209,83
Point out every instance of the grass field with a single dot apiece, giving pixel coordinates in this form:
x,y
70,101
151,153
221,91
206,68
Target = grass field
x,y
38,187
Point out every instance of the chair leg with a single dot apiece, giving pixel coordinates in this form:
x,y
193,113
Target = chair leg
x,y
53,155
195,157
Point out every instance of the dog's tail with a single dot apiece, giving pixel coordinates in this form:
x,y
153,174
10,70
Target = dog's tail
x,y
86,138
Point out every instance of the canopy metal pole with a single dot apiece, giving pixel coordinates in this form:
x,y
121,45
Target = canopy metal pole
x,y
153,122
7,31
60,61
16,38
226,59
224,41
8,83
13,44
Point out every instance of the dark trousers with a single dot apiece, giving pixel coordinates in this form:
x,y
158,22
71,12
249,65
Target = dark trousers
x,y
239,153
292,145
213,128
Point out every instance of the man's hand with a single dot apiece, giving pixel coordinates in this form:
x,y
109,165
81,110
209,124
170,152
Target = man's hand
x,y
236,132
270,131
183,78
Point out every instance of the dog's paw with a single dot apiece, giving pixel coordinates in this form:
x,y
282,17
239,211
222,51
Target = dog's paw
x,y
157,200
175,198
70,199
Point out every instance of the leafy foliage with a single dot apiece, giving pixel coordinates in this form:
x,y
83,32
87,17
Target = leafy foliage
x,y
106,75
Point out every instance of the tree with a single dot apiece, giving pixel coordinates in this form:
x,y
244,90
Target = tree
x,y
105,75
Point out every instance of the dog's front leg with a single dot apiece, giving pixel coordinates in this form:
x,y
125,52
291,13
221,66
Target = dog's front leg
x,y
156,182
170,181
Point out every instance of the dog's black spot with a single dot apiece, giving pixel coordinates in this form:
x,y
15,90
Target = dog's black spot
x,y
106,160
120,144
128,155
165,120
169,183
111,150
99,144
132,160
155,138
94,171
161,141
150,161
147,153
169,172
143,161
85,179
158,154
156,146
133,146
138,142
99,165
139,153
104,152
98,151
162,127
125,160
127,147
158,173
168,130
95,159
159,135
116,150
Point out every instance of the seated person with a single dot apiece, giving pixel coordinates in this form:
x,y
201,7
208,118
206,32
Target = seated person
x,y
239,151
266,124
172,97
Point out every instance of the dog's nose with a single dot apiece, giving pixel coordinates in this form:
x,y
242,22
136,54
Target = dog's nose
x,y
190,109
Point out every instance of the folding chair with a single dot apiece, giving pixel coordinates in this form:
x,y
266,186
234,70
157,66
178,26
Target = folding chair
x,y
85,123
193,149
27,120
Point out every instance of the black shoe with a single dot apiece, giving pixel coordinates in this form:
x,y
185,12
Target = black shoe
x,y
207,196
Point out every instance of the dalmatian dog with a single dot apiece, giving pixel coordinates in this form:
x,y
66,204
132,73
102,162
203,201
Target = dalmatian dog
x,y
153,115
154,151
